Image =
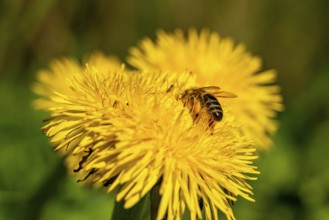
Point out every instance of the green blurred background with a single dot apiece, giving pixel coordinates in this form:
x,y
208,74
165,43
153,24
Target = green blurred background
x,y
292,36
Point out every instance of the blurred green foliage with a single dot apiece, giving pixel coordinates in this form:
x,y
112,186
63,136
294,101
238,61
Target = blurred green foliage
x,y
291,36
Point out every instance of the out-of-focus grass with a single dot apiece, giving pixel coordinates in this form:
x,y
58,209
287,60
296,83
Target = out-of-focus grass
x,y
291,36
33,183
294,181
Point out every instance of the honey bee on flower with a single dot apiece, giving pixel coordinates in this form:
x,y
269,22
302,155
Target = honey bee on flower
x,y
204,100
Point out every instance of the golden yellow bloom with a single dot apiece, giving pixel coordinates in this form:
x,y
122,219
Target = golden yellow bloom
x,y
216,61
54,80
130,130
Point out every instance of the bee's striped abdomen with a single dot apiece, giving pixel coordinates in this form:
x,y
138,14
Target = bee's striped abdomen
x,y
213,107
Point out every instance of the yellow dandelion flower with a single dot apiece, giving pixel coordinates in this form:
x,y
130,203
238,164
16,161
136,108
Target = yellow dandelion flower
x,y
66,69
130,131
218,62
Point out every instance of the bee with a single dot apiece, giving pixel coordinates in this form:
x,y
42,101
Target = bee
x,y
204,100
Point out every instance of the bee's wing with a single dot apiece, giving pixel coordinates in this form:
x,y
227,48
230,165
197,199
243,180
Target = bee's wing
x,y
223,94
216,91
211,88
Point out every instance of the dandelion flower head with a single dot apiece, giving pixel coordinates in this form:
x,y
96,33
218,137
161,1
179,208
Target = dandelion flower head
x,y
130,130
217,61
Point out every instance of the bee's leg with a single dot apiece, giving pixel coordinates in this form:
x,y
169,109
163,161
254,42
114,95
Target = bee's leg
x,y
170,88
211,125
195,110
196,116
